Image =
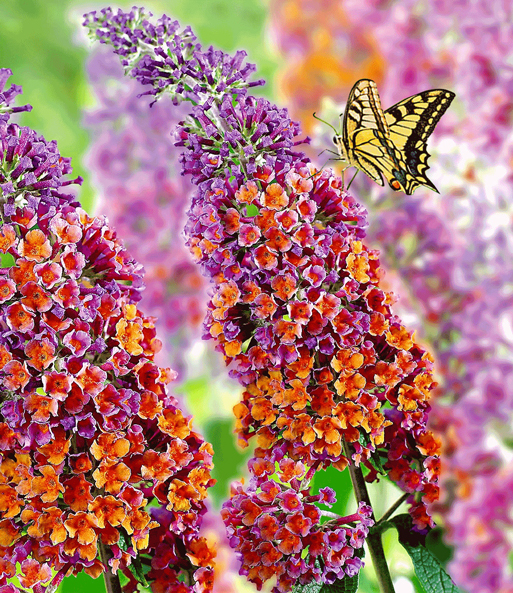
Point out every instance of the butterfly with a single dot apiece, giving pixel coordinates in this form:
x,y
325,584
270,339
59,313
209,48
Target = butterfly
x,y
390,143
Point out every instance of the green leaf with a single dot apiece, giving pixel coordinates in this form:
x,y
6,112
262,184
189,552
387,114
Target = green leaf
x,y
428,568
6,260
137,571
252,210
429,571
375,459
310,588
345,585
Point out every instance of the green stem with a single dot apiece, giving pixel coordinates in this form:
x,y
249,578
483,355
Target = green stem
x,y
112,584
373,539
393,508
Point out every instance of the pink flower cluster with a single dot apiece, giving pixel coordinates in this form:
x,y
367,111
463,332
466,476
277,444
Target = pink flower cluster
x,y
89,434
276,528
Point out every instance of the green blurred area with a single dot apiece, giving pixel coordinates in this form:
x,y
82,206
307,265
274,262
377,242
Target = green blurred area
x,y
45,46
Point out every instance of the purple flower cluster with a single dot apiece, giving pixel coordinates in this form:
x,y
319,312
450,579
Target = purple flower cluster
x,y
89,434
30,167
168,59
131,159
278,530
331,375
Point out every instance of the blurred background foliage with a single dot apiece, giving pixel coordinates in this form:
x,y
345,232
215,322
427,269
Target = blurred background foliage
x,y
44,45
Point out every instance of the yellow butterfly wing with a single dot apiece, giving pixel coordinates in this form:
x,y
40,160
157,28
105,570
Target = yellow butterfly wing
x,y
391,143
410,123
365,139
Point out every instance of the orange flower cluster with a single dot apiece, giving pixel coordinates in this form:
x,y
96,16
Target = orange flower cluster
x,y
89,435
299,312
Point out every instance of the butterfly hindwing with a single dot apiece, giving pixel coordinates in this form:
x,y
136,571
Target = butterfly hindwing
x,y
391,143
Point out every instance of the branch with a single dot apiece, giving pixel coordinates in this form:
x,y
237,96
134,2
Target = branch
x,y
373,539
393,509
112,584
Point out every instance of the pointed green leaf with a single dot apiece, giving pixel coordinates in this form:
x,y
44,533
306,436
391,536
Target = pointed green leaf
x,y
310,588
345,585
428,569
137,571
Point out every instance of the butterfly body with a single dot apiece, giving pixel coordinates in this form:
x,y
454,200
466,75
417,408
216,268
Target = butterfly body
x,y
390,143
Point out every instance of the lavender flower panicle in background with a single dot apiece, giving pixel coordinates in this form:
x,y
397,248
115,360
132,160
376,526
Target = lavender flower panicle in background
x,y
132,159
448,255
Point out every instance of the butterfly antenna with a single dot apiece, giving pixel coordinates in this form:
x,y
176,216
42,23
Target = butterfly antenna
x,y
352,179
325,122
317,172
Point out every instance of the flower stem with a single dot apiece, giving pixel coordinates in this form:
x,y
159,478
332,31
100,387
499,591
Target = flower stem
x,y
112,584
373,539
393,508
330,514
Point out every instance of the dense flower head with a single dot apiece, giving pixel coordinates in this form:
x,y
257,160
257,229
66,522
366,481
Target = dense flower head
x,y
278,529
167,58
254,132
7,96
89,434
300,314
30,167
331,375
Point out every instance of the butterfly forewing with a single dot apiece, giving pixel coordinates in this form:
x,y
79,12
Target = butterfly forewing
x,y
364,109
365,133
391,143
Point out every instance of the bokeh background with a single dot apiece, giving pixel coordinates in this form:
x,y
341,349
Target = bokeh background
x,y
447,256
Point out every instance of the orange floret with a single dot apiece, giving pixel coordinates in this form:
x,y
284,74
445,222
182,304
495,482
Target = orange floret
x,y
297,396
399,337
81,526
108,445
346,360
35,246
247,193
47,486
275,197
129,335
10,504
173,423
200,553
107,510
111,475
349,385
7,237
